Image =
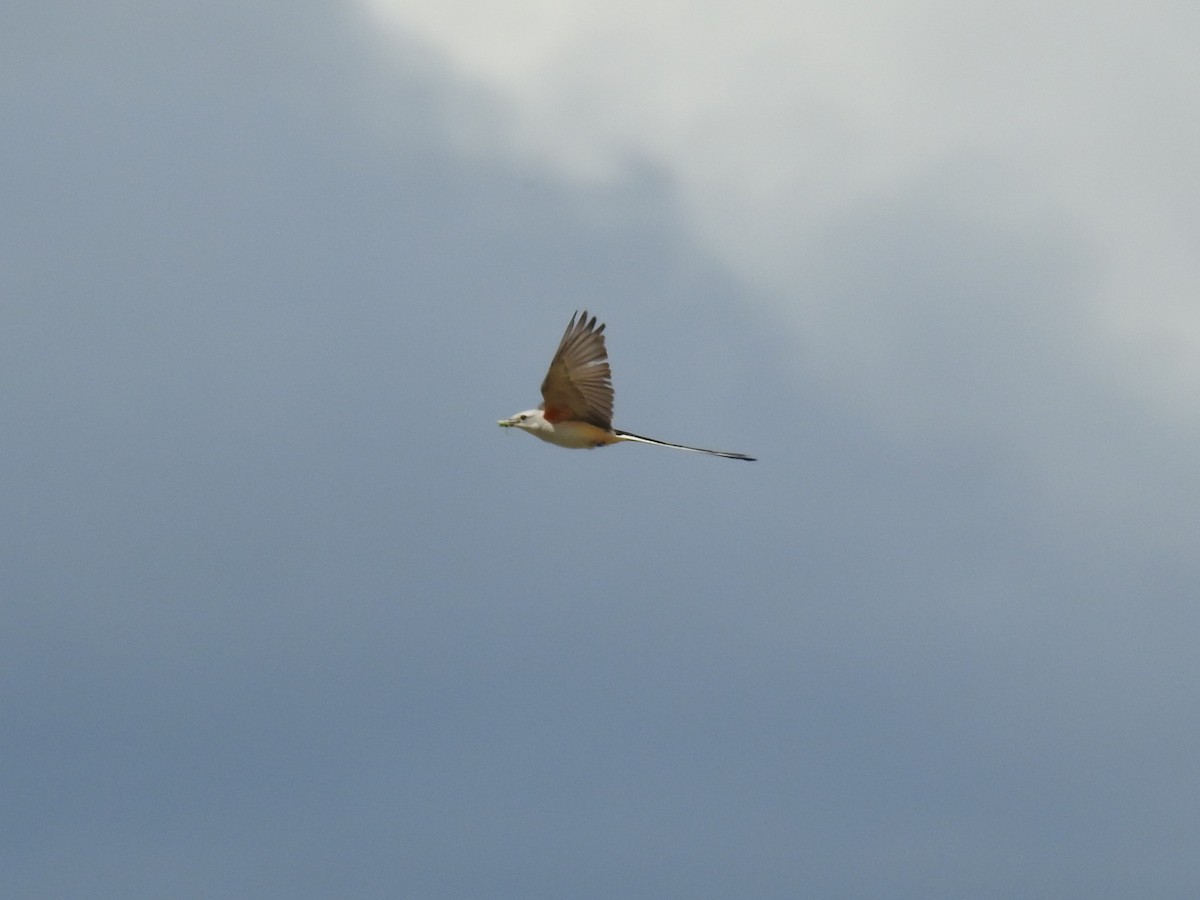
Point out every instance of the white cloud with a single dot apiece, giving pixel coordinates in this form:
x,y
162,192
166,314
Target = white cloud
x,y
775,116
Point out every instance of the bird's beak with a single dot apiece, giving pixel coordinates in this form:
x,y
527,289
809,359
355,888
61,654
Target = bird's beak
x,y
506,423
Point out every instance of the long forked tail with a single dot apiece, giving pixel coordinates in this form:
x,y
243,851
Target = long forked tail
x,y
626,436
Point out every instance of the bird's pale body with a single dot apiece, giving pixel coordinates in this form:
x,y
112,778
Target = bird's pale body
x,y
569,433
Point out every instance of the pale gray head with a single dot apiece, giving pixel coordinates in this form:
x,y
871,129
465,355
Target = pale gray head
x,y
529,420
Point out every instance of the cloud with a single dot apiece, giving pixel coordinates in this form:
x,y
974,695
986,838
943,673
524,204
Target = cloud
x,y
775,120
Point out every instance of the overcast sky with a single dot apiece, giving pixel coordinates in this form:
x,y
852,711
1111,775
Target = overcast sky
x,y
285,614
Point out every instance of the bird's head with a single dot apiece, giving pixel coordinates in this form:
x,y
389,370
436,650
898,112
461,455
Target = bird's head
x,y
530,420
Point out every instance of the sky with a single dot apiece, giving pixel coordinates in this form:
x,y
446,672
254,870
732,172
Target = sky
x,y
284,614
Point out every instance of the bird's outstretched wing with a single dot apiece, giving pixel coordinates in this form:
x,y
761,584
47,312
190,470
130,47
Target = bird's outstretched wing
x,y
579,383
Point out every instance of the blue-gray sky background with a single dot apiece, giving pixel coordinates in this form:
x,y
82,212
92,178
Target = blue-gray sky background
x,y
284,614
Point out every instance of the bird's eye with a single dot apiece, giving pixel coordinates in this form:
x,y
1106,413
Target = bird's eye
x,y
522,417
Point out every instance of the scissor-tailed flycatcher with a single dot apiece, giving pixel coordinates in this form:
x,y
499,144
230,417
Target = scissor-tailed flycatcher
x,y
577,397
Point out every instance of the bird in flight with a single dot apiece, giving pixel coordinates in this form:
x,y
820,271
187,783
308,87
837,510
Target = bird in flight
x,y
577,397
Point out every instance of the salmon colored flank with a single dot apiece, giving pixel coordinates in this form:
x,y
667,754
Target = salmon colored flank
x,y
556,413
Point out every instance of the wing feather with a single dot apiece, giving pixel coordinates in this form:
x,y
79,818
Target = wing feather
x,y
579,383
